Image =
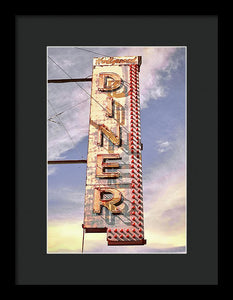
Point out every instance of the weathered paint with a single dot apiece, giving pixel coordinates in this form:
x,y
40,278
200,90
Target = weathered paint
x,y
114,197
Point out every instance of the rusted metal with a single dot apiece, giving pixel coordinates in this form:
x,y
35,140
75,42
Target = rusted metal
x,y
124,243
83,240
95,230
68,161
69,80
114,197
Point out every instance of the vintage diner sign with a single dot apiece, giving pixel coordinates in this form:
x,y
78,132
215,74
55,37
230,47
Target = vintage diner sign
x,y
114,195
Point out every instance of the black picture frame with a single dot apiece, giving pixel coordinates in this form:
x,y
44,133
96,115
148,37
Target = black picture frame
x,y
33,33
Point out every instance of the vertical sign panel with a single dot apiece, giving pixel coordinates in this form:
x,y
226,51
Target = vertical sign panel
x,y
114,197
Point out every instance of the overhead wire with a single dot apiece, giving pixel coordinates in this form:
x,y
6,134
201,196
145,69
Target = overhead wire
x,y
84,90
98,54
70,108
61,123
91,51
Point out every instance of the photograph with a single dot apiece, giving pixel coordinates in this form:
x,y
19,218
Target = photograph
x,y
116,149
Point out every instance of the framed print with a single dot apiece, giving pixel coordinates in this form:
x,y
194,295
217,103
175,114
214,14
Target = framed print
x,y
116,152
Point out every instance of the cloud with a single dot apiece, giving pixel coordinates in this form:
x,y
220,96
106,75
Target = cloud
x,y
69,104
51,170
64,237
68,116
163,146
164,208
65,203
157,65
165,196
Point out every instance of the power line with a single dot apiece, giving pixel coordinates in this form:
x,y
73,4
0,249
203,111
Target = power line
x,y
84,90
61,123
68,75
70,108
98,54
91,51
60,67
50,119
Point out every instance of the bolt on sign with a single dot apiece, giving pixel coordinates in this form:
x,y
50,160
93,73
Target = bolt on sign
x,y
114,196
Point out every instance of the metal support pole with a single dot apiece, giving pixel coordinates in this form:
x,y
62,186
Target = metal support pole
x,y
69,80
68,161
83,240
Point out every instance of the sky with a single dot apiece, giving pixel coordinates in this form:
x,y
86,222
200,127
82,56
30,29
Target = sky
x,y
162,80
